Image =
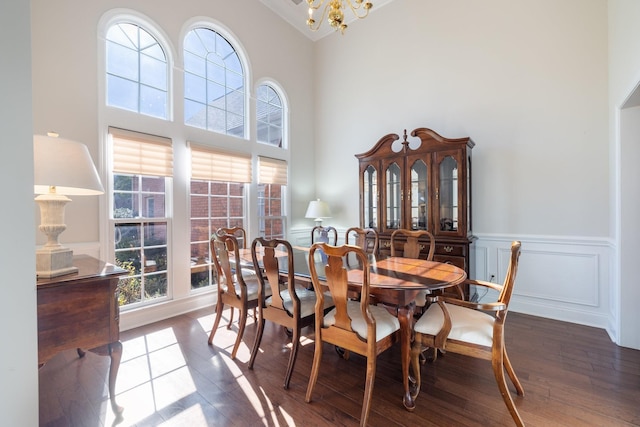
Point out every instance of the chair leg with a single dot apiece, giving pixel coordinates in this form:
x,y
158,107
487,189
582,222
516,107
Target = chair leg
x,y
498,371
512,374
256,343
295,345
230,318
317,356
216,323
242,322
368,390
416,356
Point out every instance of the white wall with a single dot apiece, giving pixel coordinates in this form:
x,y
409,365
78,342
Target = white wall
x,y
528,82
19,355
624,77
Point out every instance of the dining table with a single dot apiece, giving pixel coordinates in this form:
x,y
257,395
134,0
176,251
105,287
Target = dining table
x,y
394,282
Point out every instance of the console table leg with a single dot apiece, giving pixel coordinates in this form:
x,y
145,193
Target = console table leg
x,y
115,351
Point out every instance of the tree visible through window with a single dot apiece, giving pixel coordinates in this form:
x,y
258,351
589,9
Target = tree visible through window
x,y
136,71
142,171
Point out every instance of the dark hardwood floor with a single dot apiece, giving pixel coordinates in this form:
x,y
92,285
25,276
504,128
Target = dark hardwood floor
x,y
572,375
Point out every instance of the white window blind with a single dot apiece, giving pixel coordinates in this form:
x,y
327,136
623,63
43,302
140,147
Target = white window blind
x,y
141,154
214,165
272,171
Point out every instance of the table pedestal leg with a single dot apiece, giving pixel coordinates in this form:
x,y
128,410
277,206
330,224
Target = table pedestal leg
x,y
405,316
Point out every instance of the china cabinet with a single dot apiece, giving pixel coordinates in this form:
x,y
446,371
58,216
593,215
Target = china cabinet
x,y
420,184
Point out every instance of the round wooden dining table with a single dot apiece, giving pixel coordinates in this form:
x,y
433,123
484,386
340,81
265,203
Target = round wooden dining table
x,y
394,282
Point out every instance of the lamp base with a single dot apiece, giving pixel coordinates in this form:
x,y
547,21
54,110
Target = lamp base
x,y
54,262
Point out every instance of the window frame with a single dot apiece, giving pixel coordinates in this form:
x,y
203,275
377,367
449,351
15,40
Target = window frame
x,y
220,29
116,16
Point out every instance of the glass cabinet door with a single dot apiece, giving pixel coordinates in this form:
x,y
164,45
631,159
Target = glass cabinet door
x,y
419,196
370,197
448,194
394,196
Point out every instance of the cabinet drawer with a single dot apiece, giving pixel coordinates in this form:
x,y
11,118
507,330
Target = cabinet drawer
x,y
454,260
450,249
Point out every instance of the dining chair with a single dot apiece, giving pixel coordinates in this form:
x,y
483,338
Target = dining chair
x,y
465,327
286,304
355,326
412,248
237,287
366,238
323,234
239,233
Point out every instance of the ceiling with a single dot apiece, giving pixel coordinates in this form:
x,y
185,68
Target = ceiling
x,y
295,12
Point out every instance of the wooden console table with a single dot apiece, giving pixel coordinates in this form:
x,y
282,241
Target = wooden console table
x,y
80,311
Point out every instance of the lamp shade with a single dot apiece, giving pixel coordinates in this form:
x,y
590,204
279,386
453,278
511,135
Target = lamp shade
x,y
318,209
65,165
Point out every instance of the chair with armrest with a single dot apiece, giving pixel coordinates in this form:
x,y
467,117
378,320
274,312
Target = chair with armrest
x,y
237,287
464,327
323,234
355,326
285,304
366,238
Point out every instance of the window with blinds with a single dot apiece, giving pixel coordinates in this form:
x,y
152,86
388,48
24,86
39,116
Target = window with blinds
x,y
272,182
141,171
218,199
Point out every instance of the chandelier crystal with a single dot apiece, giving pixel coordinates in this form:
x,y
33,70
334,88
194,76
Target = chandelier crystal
x,y
333,10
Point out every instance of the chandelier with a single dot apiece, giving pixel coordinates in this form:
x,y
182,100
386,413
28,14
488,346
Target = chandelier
x,y
333,11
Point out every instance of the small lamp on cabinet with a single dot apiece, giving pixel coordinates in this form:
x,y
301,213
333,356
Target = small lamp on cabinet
x,y
61,168
318,210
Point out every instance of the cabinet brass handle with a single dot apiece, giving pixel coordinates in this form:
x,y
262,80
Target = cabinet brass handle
x,y
448,249
386,244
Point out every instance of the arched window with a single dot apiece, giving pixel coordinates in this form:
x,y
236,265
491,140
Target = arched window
x,y
137,77
214,89
269,116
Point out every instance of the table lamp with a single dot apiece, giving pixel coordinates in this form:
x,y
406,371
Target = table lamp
x,y
318,209
61,168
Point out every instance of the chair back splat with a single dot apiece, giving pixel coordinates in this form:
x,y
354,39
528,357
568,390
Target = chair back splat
x,y
238,232
411,246
355,326
324,235
365,238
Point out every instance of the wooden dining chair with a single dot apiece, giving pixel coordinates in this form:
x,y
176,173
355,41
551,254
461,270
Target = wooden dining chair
x,y
355,326
285,304
412,248
465,327
324,235
238,232
366,238
241,235
237,287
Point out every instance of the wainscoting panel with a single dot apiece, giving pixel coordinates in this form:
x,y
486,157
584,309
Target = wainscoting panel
x,y
558,278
